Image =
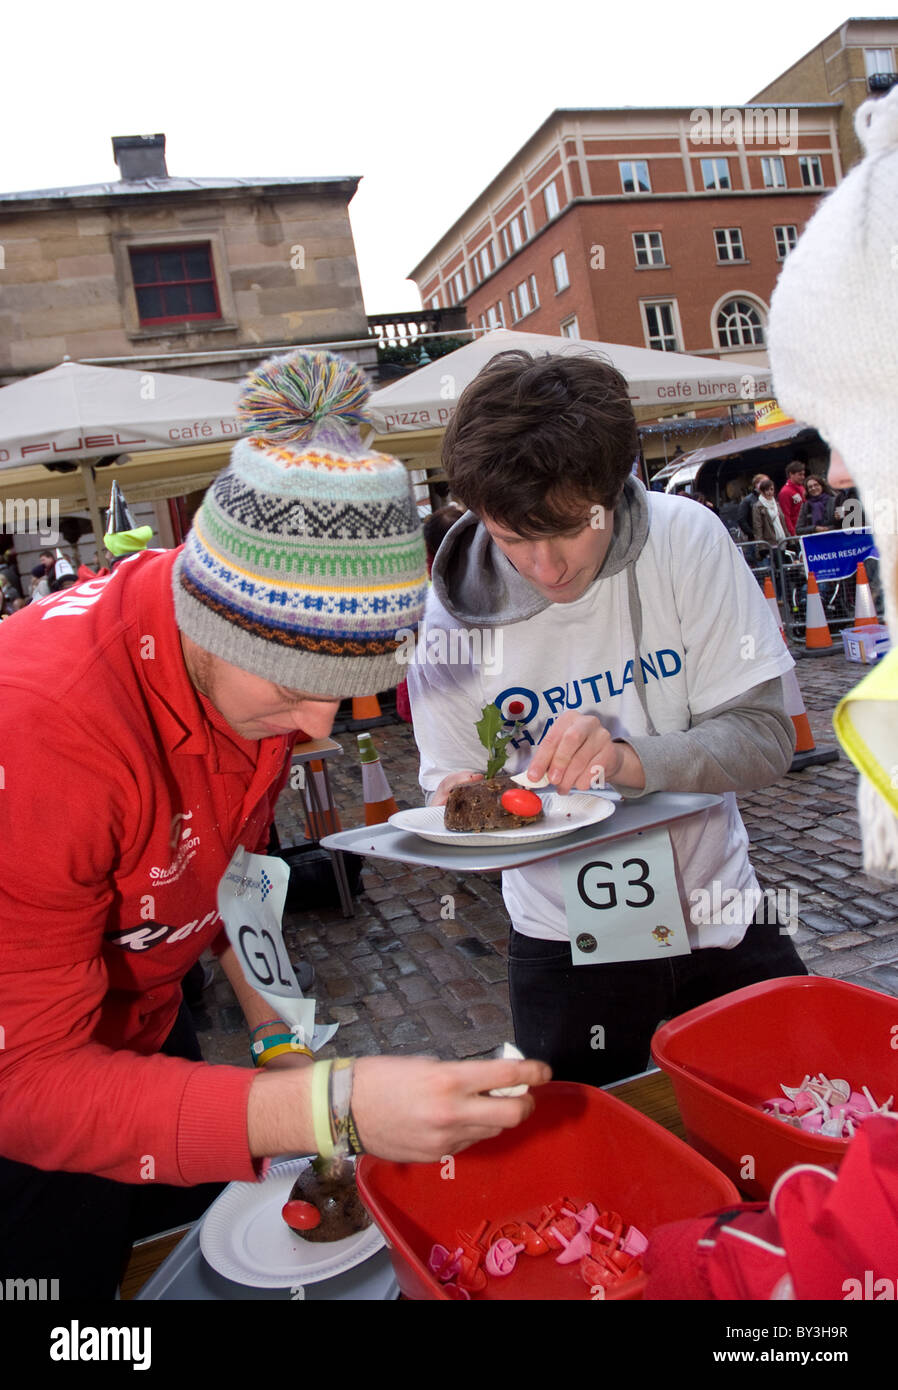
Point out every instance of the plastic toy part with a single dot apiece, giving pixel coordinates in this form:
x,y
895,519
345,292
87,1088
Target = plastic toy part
x,y
301,1216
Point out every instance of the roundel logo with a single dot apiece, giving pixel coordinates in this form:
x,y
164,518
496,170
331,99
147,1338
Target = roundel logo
x,y
517,704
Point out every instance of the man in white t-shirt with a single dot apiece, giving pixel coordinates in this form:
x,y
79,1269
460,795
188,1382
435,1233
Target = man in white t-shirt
x,y
628,647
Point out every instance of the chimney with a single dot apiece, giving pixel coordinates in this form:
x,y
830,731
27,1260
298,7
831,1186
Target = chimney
x,y
140,157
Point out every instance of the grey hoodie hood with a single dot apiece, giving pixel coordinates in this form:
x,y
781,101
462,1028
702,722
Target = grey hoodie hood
x,y
480,587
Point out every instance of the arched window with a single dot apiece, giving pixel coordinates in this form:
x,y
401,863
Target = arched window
x,y
739,324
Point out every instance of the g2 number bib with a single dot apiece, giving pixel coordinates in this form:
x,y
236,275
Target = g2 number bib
x,y
621,901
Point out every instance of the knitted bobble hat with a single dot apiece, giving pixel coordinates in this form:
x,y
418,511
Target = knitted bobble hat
x,y
834,358
305,563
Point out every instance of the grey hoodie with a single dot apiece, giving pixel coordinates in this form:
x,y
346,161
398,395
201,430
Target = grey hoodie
x,y
745,743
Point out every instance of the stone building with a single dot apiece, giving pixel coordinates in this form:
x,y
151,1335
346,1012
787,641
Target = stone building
x,y
154,267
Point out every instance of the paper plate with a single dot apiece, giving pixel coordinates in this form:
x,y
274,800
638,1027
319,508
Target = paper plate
x,y
245,1238
561,815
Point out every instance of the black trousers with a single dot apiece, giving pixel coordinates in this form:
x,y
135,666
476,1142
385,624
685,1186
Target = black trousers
x,y
594,1023
79,1228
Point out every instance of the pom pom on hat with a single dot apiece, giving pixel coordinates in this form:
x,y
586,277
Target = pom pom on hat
x,y
287,398
876,125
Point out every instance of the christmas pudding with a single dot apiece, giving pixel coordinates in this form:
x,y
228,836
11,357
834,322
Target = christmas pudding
x,y
324,1202
494,804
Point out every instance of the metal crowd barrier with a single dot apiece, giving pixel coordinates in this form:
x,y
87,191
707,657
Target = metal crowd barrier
x,y
783,564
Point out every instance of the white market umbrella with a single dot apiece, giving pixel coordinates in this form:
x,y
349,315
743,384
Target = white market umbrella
x,y
658,381
77,413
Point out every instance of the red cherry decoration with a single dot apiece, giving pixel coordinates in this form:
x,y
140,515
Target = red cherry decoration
x,y
301,1216
518,801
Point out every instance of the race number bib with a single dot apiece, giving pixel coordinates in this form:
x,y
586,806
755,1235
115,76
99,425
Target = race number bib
x,y
621,901
251,898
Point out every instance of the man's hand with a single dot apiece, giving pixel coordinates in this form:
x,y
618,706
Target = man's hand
x,y
413,1110
407,1109
579,752
454,779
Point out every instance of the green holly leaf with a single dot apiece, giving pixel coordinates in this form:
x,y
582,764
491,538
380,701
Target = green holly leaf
x,y
488,727
495,743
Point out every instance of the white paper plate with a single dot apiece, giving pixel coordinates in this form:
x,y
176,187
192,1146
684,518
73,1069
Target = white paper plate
x,y
561,815
245,1238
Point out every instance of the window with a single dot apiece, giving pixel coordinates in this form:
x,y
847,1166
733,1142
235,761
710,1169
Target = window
x,y
773,172
716,173
878,60
550,197
457,285
524,299
811,171
739,325
435,302
174,284
634,176
661,332
570,327
649,248
559,270
495,315
486,261
728,241
785,238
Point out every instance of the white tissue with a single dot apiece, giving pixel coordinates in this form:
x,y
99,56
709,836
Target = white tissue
x,y
510,1052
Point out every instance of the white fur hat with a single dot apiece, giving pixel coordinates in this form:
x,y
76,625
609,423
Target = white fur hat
x,y
834,359
834,327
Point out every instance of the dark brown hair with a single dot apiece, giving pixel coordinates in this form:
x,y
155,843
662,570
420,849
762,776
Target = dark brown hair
x,y
535,440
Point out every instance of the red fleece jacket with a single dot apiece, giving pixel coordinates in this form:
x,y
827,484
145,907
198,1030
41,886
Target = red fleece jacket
x,y
124,796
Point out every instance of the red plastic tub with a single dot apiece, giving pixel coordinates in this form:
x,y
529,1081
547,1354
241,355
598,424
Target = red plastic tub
x,y
580,1143
730,1055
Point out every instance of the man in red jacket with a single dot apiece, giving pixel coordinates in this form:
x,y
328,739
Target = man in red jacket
x,y
792,494
161,704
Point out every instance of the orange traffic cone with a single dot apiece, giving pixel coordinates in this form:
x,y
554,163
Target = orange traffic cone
x,y
379,801
770,596
322,817
817,636
806,751
864,608
365,707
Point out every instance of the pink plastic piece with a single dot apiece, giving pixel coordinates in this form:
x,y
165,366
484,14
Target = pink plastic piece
x,y
804,1102
574,1248
634,1242
502,1257
586,1217
442,1264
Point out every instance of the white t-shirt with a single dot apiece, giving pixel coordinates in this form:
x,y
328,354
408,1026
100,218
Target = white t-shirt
x,y
707,637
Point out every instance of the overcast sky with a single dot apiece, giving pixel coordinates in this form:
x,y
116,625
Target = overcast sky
x,y
426,101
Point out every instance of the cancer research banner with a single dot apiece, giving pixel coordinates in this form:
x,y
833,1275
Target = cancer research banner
x,y
837,554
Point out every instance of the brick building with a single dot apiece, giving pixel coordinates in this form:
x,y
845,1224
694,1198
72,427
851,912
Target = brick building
x,y
854,62
663,228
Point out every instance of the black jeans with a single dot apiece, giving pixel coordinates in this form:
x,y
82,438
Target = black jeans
x,y
79,1228
594,1023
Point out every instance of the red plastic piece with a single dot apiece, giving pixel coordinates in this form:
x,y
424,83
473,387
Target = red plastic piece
x,y
518,801
301,1216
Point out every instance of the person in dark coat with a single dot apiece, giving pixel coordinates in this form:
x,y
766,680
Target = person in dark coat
x,y
818,510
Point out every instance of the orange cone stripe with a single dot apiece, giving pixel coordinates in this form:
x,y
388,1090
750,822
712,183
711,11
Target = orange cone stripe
x,y
365,707
797,712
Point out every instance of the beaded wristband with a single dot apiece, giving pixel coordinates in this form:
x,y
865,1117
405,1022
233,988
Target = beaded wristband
x,y
320,1112
267,1024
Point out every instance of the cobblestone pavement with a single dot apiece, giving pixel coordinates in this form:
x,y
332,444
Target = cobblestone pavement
x,y
402,977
